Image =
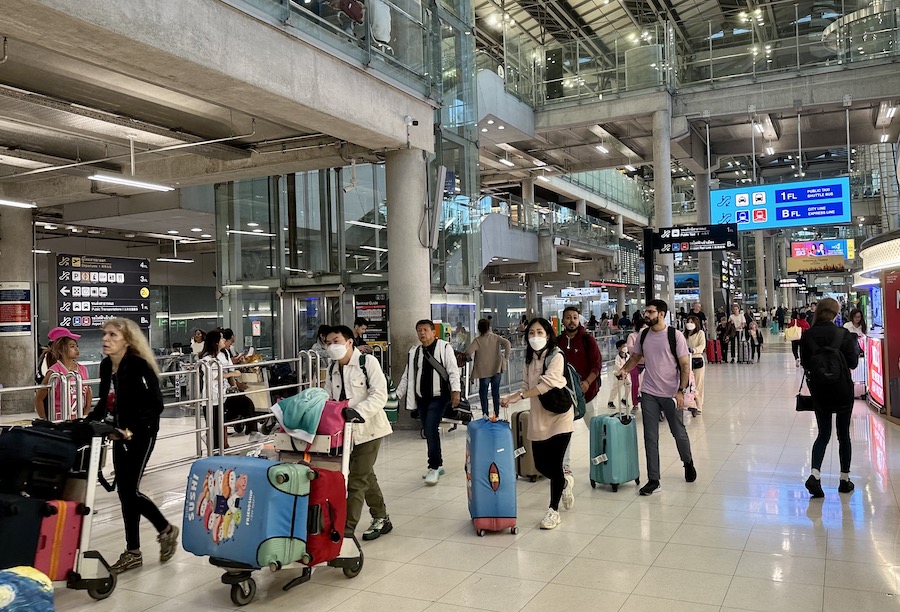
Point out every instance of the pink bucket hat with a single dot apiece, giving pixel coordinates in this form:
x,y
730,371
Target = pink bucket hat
x,y
61,332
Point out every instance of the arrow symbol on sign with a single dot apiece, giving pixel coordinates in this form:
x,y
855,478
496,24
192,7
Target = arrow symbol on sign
x,y
64,291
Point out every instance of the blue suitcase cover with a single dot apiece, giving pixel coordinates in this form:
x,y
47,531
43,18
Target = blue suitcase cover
x,y
490,469
618,441
237,510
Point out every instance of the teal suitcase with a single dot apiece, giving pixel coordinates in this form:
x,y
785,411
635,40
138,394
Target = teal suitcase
x,y
614,450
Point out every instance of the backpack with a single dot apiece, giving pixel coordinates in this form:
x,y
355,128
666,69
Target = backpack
x,y
573,393
585,341
828,374
393,400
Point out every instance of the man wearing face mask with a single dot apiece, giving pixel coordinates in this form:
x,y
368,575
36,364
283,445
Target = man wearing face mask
x,y
429,382
359,379
666,380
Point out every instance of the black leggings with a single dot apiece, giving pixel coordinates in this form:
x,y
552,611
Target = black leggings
x,y
823,418
129,460
795,348
548,459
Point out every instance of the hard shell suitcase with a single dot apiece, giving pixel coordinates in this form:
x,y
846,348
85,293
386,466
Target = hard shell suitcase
x,y
36,460
714,351
20,526
327,515
491,476
743,351
525,460
59,538
860,378
247,510
614,450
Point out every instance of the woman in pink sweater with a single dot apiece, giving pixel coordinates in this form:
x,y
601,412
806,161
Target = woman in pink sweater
x,y
548,431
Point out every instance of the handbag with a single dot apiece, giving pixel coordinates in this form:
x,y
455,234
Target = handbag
x,y
557,400
462,412
793,333
804,402
696,363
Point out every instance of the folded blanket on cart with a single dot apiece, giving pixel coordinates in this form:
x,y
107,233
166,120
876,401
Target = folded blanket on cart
x,y
299,414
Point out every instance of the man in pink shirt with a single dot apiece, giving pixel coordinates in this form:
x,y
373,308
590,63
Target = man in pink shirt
x,y
667,362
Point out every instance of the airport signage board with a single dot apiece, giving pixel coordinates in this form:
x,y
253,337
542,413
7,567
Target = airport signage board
x,y
91,289
829,263
374,309
721,237
15,308
821,202
824,248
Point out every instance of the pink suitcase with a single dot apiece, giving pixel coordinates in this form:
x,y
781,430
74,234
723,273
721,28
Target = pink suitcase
x,y
59,539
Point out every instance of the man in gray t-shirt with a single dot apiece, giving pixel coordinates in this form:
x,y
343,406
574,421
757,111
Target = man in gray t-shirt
x,y
666,380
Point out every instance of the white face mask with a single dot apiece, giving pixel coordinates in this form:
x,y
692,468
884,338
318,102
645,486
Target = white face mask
x,y
537,342
336,351
690,326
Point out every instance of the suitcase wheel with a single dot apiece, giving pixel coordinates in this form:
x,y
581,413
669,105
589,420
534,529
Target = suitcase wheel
x,y
593,485
514,530
243,592
615,487
480,532
532,478
103,588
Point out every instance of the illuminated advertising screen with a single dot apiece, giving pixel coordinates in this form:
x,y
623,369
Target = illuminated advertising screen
x,y
824,248
876,372
783,205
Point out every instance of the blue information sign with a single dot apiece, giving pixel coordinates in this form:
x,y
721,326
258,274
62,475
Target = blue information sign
x,y
783,205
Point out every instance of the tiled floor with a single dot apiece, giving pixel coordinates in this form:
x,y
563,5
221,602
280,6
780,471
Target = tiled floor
x,y
744,536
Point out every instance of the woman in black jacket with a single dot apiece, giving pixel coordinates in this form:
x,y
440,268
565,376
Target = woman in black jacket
x,y
837,399
131,401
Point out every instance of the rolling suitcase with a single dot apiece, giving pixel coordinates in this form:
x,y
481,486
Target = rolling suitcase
x,y
327,515
743,351
20,526
59,538
491,476
524,457
247,511
860,378
36,460
614,450
714,351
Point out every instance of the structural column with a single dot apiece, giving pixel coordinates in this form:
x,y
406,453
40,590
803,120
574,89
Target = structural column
x,y
769,254
761,283
409,263
786,294
532,300
620,226
581,207
621,298
17,352
705,268
662,186
525,214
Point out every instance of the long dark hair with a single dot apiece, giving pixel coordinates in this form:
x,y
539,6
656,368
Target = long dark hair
x,y
211,343
697,327
551,338
862,319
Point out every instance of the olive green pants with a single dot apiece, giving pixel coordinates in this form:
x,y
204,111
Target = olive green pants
x,y
362,485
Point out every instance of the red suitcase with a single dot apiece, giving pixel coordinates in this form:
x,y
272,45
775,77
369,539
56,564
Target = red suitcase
x,y
714,351
59,539
327,516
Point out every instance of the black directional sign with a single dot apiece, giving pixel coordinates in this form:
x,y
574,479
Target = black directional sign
x,y
91,289
720,237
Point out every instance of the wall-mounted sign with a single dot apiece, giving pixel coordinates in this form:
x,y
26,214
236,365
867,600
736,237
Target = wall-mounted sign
x,y
792,282
687,281
374,309
783,205
823,248
15,309
829,263
91,289
696,238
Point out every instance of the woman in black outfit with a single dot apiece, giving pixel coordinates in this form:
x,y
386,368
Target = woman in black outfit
x,y
131,401
837,400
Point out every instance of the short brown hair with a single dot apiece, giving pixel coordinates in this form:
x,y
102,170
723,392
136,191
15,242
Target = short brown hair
x,y
826,310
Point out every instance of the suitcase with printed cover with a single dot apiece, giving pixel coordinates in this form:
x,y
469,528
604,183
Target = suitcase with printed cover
x,y
491,476
59,538
614,450
247,511
524,460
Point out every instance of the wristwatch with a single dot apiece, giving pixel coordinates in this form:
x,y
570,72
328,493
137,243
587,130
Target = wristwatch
x,y
521,395
684,390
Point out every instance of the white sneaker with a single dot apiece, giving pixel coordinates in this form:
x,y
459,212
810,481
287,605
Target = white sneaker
x,y
551,520
440,472
568,494
255,436
432,477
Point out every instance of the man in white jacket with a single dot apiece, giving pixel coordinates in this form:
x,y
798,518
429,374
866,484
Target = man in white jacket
x,y
359,379
430,381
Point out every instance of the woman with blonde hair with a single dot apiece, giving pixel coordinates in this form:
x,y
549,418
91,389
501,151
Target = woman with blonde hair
x,y
131,401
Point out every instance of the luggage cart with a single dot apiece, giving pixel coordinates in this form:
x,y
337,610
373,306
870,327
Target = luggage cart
x,y
350,559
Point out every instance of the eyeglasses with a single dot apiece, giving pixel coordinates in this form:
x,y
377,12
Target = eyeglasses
x,y
648,311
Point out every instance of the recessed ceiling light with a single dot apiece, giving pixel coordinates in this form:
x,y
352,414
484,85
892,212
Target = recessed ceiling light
x,y
500,127
484,129
16,204
205,235
129,235
490,122
257,231
196,229
49,227
93,231
173,232
253,224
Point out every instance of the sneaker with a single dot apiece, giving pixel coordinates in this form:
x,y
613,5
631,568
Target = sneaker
x,y
255,436
168,543
814,486
127,561
690,474
624,404
610,405
432,477
379,527
567,469
551,520
568,494
440,471
651,487
846,486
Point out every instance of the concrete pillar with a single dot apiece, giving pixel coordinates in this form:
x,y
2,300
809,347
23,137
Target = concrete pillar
x,y
620,226
409,263
761,282
662,185
581,207
527,201
775,298
17,353
621,298
532,300
787,294
701,197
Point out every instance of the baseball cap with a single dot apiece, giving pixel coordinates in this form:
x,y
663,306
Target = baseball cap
x,y
61,332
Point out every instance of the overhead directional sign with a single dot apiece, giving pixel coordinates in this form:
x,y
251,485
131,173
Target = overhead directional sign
x,y
721,237
91,289
783,205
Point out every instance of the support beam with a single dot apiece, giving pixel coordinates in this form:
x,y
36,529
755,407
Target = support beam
x,y
662,185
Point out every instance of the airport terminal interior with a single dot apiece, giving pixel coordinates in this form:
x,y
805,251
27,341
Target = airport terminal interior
x,y
268,167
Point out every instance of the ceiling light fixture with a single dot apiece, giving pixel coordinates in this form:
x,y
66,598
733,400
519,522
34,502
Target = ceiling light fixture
x,y
196,229
172,232
243,233
630,168
253,224
884,138
206,235
16,204
506,162
543,178
602,149
175,258
118,180
573,272
366,224
374,248
770,150
47,226
40,251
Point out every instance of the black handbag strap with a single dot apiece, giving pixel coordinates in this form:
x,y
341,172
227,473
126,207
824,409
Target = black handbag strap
x,y
440,369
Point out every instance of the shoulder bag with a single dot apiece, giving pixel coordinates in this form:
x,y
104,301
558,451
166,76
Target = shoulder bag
x,y
804,402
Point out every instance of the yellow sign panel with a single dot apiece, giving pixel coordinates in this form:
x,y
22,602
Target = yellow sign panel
x,y
829,263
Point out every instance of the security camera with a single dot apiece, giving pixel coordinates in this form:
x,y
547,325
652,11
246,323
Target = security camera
x,y
349,188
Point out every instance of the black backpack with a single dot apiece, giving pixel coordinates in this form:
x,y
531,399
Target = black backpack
x,y
828,374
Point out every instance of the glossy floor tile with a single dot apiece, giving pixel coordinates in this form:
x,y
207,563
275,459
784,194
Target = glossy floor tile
x,y
744,536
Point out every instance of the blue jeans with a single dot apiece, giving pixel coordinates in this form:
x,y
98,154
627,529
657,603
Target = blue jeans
x,y
494,382
431,412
